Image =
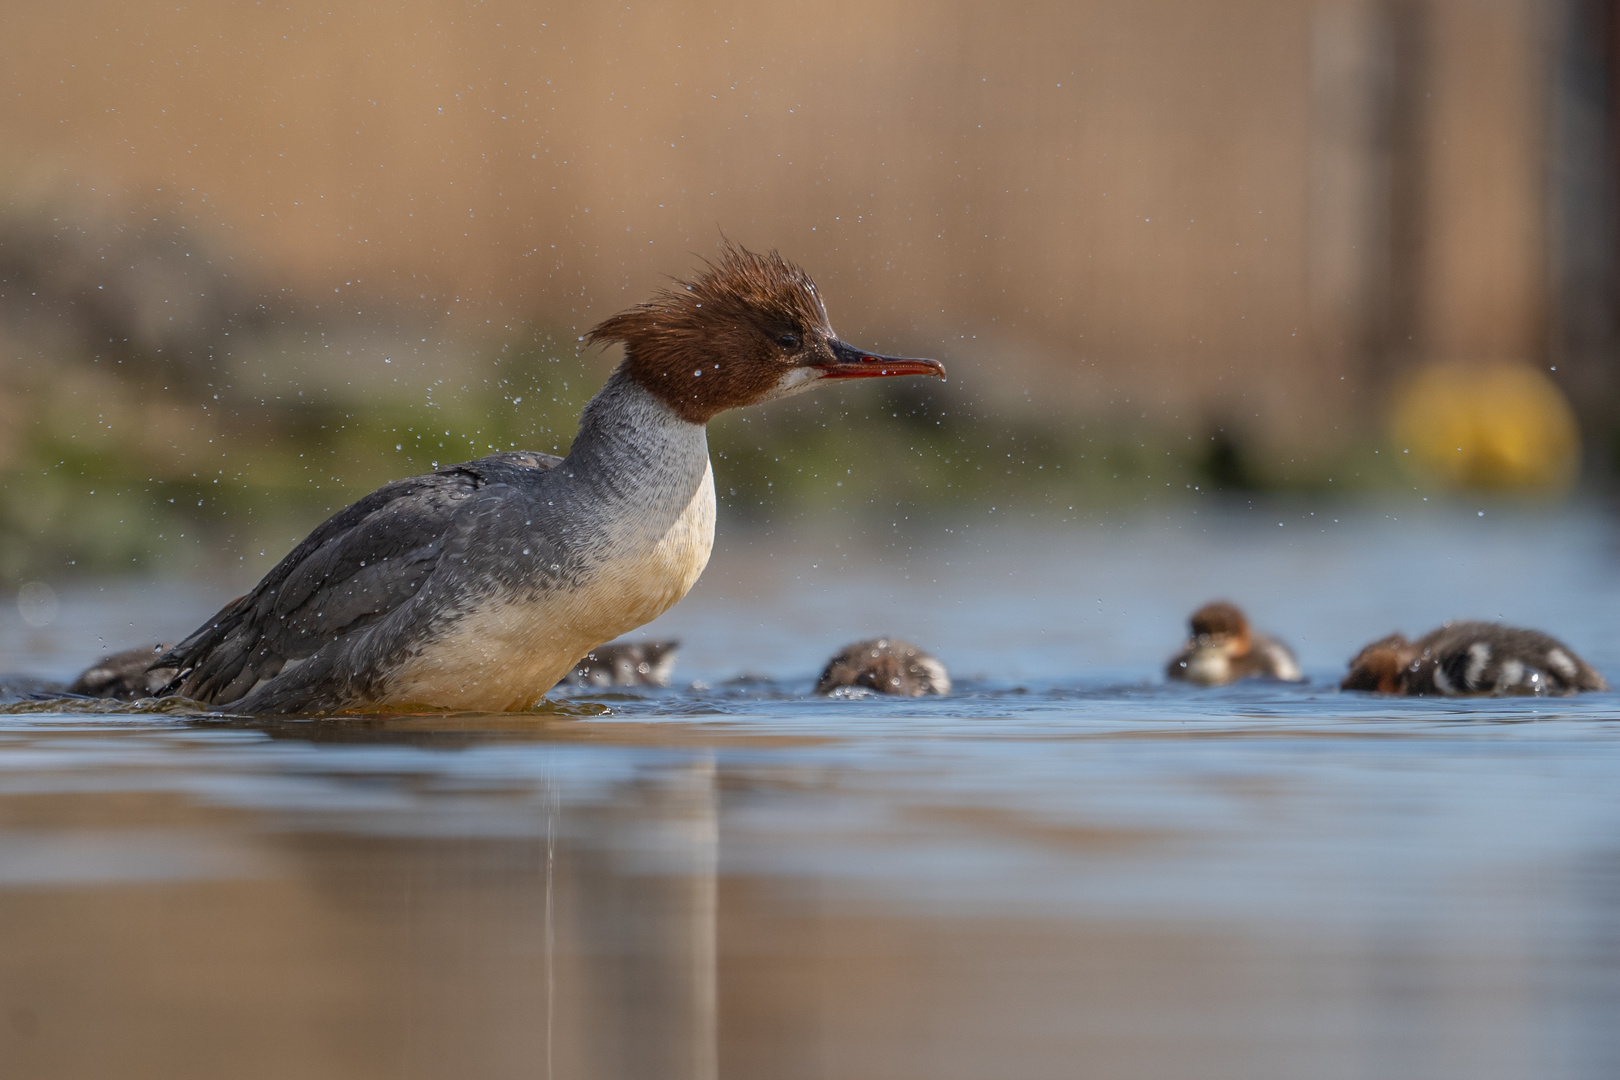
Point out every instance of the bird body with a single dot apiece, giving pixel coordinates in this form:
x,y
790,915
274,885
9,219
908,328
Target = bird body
x,y
126,675
626,663
480,586
635,553
886,666
1471,658
1223,648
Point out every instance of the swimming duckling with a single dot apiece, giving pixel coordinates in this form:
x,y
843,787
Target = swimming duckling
x,y
1223,648
626,663
1471,658
126,675
887,665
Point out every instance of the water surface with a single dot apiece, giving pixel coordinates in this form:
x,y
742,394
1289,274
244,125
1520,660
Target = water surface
x,y
1067,868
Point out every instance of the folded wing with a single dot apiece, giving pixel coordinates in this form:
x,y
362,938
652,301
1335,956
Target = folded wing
x,y
357,566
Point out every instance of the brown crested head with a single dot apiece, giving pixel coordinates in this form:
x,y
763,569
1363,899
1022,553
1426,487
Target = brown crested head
x,y
1378,667
749,328
1221,621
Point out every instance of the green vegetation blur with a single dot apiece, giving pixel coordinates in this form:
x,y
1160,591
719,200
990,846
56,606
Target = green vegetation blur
x,y
105,474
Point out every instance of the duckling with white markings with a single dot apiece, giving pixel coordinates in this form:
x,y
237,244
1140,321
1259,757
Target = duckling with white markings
x,y
127,675
884,665
626,663
1471,658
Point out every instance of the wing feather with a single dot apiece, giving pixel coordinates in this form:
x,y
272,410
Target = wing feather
x,y
353,569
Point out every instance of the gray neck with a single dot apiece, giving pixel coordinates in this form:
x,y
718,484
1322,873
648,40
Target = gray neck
x,y
629,441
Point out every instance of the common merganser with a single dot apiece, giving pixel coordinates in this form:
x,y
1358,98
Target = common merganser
x,y
626,663
886,665
1224,648
126,675
480,586
1471,658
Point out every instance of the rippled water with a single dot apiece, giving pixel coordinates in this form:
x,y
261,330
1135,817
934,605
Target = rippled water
x,y
1068,868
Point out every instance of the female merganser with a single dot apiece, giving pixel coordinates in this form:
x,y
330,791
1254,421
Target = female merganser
x,y
1223,648
481,585
626,663
1471,658
887,665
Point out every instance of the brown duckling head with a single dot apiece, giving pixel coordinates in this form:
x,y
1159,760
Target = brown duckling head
x,y
1221,624
1220,640
887,666
1380,666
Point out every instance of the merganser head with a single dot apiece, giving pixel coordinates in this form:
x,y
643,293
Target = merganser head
x,y
1221,625
1378,667
750,328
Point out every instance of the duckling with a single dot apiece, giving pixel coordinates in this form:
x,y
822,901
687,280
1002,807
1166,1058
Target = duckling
x,y
126,675
1471,658
1224,648
626,663
887,665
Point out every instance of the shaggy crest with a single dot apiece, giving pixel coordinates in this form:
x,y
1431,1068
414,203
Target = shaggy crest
x,y
726,337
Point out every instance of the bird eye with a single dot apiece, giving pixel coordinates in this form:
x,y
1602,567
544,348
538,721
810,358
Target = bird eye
x,y
788,341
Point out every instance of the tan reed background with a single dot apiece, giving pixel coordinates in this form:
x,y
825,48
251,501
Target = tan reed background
x,y
1194,205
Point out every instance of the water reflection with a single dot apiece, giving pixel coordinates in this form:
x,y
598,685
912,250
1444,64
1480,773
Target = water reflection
x,y
622,897
205,902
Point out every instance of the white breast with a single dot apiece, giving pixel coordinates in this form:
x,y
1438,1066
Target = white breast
x,y
506,654
648,547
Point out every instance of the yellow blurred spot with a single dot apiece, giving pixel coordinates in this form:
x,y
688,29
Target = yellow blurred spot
x,y
1498,427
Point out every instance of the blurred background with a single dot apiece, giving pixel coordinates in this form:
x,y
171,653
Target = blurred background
x,y
1310,303
257,259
